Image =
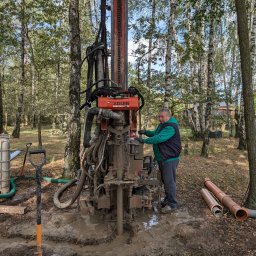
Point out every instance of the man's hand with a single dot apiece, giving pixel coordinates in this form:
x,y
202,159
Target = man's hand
x,y
139,139
142,132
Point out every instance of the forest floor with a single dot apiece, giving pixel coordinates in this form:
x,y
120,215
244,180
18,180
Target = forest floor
x,y
191,230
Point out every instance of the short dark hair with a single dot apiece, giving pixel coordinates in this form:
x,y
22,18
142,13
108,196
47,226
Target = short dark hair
x,y
166,110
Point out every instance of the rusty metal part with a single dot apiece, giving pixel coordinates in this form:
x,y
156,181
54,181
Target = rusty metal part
x,y
215,207
104,202
239,212
86,207
119,33
135,202
28,145
119,167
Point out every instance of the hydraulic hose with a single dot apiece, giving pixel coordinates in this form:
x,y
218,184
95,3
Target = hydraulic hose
x,y
58,194
93,156
81,181
105,113
88,126
100,161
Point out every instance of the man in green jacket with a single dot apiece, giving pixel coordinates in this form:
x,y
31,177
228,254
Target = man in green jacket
x,y
167,147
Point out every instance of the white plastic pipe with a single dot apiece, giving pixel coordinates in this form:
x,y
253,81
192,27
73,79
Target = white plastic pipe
x,y
5,174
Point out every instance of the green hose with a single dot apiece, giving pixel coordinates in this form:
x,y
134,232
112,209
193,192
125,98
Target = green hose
x,y
52,180
13,185
48,179
12,191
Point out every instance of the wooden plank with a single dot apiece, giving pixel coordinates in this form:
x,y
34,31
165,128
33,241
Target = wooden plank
x,y
13,209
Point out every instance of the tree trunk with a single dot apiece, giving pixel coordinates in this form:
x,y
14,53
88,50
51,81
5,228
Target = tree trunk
x,y
202,73
248,97
196,113
1,104
226,89
253,47
237,113
168,57
150,48
16,130
6,121
206,141
241,128
39,130
231,82
72,159
150,42
57,86
90,12
33,97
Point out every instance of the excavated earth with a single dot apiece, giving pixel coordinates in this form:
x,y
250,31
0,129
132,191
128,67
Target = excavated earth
x,y
190,230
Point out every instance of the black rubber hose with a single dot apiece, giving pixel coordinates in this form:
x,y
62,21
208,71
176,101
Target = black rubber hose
x,y
58,194
81,181
89,120
88,126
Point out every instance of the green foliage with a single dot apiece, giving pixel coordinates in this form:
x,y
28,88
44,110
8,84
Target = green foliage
x,y
47,52
47,55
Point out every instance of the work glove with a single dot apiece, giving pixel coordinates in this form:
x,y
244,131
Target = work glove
x,y
139,139
142,132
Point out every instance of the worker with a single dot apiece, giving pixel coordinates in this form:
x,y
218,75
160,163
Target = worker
x,y
167,147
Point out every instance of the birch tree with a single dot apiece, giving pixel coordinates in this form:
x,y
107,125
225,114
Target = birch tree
x,y
168,57
205,147
72,150
16,130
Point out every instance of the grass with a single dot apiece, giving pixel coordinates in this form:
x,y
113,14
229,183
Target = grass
x,y
53,144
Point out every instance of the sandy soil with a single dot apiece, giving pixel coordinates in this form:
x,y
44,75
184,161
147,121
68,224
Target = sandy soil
x,y
191,230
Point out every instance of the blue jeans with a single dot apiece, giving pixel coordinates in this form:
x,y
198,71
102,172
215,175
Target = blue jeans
x,y
168,176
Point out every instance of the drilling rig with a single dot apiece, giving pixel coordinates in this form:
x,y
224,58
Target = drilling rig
x,y
115,176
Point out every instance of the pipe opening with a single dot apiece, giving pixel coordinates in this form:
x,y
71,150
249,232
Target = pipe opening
x,y
217,211
241,214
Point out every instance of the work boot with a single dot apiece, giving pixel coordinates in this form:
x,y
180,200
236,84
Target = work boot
x,y
164,202
167,209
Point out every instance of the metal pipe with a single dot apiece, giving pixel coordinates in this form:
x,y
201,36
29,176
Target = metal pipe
x,y
120,210
215,207
239,212
5,174
119,43
119,167
100,68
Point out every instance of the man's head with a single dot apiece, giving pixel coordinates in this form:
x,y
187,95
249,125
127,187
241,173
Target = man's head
x,y
164,115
